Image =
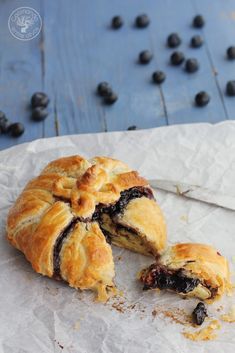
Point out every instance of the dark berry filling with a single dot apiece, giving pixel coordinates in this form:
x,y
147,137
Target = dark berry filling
x,y
199,313
159,276
58,246
125,197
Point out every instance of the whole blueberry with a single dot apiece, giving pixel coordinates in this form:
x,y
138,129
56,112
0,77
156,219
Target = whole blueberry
x,y
202,98
198,21
191,65
145,57
199,313
142,21
4,123
39,114
111,98
177,58
173,40
158,77
117,22
104,89
132,127
230,88
196,41
231,53
16,129
39,99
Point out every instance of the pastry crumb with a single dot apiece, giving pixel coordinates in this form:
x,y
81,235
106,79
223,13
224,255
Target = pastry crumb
x,y
184,218
77,325
176,315
230,316
205,334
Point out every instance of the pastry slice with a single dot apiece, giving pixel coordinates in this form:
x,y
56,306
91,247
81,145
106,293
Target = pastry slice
x,y
135,222
191,270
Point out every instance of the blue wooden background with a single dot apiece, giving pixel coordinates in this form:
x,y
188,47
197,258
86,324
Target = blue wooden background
x,y
76,49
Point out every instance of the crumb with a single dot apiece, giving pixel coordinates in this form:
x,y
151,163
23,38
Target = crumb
x,y
219,308
60,345
176,315
184,218
230,316
204,334
76,325
154,313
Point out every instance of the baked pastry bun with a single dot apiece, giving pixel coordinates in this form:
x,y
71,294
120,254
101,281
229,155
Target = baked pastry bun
x,y
190,269
65,218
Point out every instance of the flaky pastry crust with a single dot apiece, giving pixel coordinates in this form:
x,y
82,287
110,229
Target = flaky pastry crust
x,y
56,221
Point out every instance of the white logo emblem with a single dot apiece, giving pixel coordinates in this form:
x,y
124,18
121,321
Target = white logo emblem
x,y
25,23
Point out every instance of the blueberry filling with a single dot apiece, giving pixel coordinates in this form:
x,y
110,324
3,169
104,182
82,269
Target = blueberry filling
x,y
112,210
125,197
199,313
58,246
159,276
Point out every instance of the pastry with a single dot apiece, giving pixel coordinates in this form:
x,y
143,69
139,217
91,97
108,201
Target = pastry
x,y
190,269
65,218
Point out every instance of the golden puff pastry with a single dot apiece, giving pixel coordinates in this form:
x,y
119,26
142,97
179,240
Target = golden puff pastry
x,y
65,218
190,269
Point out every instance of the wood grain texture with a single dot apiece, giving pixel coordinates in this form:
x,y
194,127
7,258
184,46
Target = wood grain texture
x,y
77,49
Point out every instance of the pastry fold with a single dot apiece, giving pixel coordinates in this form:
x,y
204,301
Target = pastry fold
x,y
65,218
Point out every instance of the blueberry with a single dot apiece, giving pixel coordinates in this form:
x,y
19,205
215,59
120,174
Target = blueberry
x,y
142,21
104,89
158,77
230,88
132,127
145,57
199,313
177,58
39,99
202,98
196,41
198,21
16,129
111,98
231,53
4,123
173,40
39,114
117,22
191,65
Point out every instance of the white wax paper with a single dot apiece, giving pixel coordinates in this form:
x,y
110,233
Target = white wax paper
x,y
41,315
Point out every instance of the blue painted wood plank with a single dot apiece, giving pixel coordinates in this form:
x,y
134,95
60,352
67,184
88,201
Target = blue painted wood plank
x,y
180,87
20,76
77,49
219,32
85,51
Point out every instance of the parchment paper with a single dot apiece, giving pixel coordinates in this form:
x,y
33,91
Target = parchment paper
x,y
42,315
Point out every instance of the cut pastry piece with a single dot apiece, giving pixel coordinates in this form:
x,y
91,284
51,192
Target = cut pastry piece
x,y
64,217
135,222
190,269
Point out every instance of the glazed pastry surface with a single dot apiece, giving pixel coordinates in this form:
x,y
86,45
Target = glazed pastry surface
x,y
65,218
